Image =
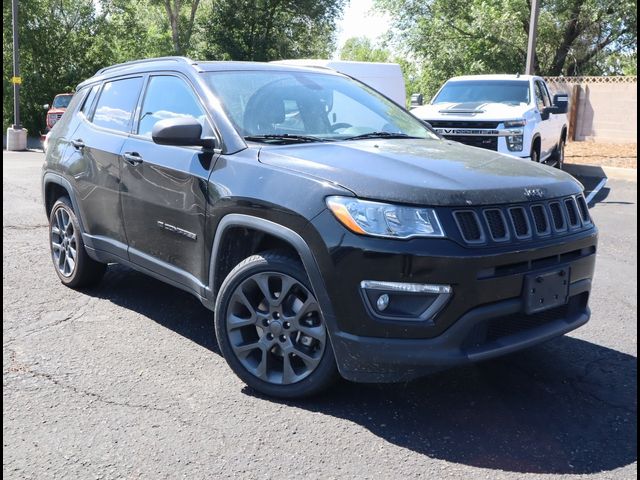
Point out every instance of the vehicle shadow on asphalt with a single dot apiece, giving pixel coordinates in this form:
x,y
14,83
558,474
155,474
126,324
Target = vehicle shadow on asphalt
x,y
566,407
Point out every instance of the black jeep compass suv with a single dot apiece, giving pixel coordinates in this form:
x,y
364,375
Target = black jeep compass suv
x,y
328,229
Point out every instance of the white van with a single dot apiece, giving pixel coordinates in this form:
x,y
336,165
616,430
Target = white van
x,y
385,77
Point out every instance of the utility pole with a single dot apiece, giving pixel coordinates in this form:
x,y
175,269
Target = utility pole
x,y
533,32
16,135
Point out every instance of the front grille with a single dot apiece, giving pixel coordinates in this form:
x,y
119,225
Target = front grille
x,y
584,209
557,216
491,331
522,222
517,323
469,226
488,143
462,124
497,224
540,219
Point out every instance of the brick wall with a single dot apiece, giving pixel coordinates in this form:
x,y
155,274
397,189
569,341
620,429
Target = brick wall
x,y
607,107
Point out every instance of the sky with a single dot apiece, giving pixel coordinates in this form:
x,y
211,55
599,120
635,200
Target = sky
x,y
360,20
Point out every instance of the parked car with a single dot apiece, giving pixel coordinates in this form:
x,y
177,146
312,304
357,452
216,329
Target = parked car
x,y
512,114
54,113
386,78
327,228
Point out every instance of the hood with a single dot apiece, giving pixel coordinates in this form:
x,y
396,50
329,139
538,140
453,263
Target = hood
x,y
423,172
484,111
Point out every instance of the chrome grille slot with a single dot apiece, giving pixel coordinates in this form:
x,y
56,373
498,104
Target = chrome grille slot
x,y
469,226
541,219
557,216
520,222
572,211
497,224
584,209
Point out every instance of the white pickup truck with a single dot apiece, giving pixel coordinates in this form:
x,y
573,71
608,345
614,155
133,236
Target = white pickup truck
x,y
512,114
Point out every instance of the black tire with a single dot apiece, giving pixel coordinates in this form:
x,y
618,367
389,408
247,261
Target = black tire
x,y
535,152
261,320
75,270
558,155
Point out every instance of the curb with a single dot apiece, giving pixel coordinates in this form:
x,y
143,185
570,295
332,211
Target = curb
x,y
618,173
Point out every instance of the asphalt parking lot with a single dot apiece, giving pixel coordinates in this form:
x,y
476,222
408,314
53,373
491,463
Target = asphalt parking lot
x,y
126,381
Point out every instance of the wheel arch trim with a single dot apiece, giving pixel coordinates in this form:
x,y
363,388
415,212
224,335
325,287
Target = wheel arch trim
x,y
286,234
49,178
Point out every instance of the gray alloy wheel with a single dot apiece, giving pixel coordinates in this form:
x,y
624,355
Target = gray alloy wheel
x,y
73,265
64,247
275,328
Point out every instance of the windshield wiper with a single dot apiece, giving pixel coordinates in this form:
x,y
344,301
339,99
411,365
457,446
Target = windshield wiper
x,y
379,135
285,137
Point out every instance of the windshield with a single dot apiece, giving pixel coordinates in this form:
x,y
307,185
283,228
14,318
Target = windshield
x,y
309,106
512,92
61,101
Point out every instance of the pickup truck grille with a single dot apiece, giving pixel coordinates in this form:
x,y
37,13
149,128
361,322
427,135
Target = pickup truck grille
x,y
488,142
517,223
462,124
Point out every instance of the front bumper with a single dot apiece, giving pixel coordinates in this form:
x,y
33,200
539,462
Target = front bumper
x,y
484,317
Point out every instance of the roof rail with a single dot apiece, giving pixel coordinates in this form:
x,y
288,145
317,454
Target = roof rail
x,y
147,60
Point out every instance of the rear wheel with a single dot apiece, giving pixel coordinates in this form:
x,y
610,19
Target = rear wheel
x,y
270,328
72,264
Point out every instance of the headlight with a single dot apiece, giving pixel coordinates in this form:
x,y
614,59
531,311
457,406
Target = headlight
x,y
385,220
521,122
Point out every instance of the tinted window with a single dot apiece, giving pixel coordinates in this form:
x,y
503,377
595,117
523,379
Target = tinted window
x,y
62,101
498,91
539,96
169,97
545,94
116,103
86,106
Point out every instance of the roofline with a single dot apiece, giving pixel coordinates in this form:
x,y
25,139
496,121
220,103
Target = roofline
x,y
185,60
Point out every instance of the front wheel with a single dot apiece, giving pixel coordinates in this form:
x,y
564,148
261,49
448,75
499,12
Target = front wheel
x,y
558,155
270,328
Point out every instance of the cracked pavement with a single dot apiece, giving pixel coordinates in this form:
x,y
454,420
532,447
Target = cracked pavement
x,y
125,380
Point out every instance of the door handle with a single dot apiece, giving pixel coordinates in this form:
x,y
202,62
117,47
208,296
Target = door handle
x,y
78,144
132,158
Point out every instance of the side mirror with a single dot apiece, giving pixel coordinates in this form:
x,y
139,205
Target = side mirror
x,y
561,102
182,132
46,106
416,100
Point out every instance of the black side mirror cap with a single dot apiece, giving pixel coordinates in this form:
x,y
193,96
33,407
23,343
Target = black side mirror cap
x,y
182,132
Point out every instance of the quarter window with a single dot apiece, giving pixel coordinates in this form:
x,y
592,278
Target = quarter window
x,y
86,106
117,103
540,100
169,97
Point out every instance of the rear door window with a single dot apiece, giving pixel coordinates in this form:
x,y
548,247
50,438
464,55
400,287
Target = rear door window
x,y
116,104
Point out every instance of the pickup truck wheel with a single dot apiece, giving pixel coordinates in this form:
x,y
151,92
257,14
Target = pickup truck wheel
x,y
270,328
558,155
72,264
535,153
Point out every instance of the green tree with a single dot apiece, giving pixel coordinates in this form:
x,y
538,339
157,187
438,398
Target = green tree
x,y
361,49
264,30
452,37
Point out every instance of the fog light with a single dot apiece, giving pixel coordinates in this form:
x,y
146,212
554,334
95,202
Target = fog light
x,y
383,302
404,301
